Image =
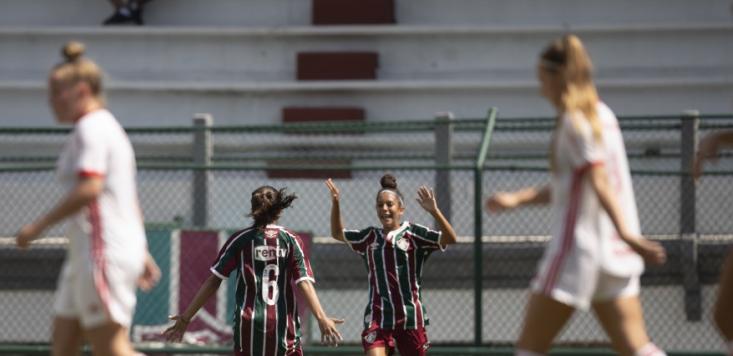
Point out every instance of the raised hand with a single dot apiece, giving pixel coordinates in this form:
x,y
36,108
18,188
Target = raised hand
x,y
426,199
335,194
329,333
176,331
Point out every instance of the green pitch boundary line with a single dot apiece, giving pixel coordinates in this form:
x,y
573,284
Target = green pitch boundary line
x,y
353,350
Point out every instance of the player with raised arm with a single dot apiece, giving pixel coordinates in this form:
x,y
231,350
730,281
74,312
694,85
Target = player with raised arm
x,y
596,253
394,255
268,261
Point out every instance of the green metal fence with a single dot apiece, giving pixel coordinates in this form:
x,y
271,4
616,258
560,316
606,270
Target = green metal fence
x,y
194,185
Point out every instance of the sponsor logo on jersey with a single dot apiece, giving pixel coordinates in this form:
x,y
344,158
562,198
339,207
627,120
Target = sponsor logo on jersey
x,y
269,253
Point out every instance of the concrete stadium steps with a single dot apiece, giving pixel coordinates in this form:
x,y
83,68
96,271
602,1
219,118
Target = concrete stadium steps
x,y
405,52
433,12
173,103
234,13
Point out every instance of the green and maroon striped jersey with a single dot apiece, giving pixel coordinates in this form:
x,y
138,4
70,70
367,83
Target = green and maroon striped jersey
x,y
268,264
395,262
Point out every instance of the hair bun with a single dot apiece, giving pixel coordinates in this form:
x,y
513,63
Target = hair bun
x,y
388,181
72,51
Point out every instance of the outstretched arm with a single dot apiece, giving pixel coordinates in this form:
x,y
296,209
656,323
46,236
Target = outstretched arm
x,y
426,198
709,147
652,251
337,227
329,333
509,200
208,288
87,189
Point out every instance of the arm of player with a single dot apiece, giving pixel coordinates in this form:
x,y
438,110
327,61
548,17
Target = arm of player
x,y
151,274
87,189
208,288
509,200
709,147
652,251
426,199
329,333
337,226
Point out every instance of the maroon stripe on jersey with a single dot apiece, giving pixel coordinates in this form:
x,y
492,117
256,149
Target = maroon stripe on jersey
x,y
414,287
250,292
290,312
232,263
393,283
376,303
568,230
270,335
100,271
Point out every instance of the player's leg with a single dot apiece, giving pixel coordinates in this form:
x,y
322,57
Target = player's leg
x,y
618,308
109,339
724,304
377,351
412,342
542,321
623,321
376,341
67,336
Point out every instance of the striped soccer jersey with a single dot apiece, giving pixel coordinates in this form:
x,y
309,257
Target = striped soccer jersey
x,y
395,264
269,263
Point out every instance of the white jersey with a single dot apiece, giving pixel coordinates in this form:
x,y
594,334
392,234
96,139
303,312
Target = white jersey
x,y
110,228
583,236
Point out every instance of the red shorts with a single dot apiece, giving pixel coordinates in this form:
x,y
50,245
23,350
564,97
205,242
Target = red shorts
x,y
408,342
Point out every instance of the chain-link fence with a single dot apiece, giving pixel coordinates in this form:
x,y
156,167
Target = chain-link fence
x,y
195,183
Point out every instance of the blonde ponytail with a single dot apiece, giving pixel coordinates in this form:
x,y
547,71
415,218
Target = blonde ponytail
x,y
569,63
580,94
75,68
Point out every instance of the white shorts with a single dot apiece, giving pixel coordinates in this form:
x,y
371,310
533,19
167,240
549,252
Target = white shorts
x,y
580,290
96,296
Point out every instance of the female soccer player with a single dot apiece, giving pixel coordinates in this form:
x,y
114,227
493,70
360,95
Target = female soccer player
x,y
107,253
723,311
394,255
268,260
595,255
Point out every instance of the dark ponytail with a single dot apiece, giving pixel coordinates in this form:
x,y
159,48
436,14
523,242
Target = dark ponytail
x,y
268,203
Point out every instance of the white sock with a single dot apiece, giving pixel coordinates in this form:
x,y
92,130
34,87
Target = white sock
x,y
649,350
124,10
520,352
